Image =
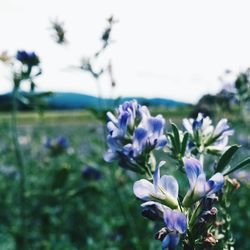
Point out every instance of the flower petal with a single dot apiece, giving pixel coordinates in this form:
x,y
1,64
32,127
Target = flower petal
x,y
112,118
174,240
200,188
156,125
167,216
193,169
221,127
180,224
123,122
215,183
143,189
152,210
170,241
175,220
140,138
166,242
161,142
156,176
170,184
187,123
109,156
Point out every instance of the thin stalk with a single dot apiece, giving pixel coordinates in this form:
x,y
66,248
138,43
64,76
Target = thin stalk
x,y
123,205
19,161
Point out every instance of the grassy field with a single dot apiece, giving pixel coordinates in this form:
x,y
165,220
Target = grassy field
x,y
68,208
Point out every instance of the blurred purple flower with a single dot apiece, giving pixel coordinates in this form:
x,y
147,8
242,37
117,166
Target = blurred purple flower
x,y
57,145
199,187
91,173
27,58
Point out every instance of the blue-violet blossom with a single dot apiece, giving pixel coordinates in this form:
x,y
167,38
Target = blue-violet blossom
x,y
164,189
133,132
207,137
199,187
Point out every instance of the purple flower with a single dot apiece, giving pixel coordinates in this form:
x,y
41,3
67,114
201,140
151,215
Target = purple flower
x,y
205,137
163,189
148,136
133,133
170,241
27,58
199,187
175,222
57,145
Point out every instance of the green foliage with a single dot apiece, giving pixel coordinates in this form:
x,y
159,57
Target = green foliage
x,y
65,211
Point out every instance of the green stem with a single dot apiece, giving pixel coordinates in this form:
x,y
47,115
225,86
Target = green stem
x,y
19,160
124,206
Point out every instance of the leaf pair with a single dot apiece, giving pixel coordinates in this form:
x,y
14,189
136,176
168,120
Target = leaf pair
x,y
223,163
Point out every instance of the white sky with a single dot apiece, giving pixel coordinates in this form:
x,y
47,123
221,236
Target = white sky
x,y
164,48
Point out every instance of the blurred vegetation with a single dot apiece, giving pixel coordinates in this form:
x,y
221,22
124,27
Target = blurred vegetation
x,y
69,205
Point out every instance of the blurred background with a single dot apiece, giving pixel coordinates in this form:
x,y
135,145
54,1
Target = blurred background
x,y
63,65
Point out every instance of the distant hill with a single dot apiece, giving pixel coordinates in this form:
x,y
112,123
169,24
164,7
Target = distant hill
x,y
71,101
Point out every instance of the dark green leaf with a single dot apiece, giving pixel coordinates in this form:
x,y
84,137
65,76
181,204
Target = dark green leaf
x,y
184,143
172,141
240,165
226,158
176,137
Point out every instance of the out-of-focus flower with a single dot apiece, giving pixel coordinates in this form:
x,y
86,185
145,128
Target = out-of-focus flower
x,y
243,176
164,189
199,187
91,173
133,133
9,171
24,140
27,58
206,137
57,145
5,57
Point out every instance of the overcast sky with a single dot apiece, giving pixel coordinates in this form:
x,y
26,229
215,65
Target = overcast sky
x,y
173,49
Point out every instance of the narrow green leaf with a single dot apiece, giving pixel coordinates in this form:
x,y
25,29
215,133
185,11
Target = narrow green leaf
x,y
226,158
176,137
240,165
184,143
172,141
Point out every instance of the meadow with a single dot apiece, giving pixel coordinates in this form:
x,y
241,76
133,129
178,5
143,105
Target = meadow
x,y
74,199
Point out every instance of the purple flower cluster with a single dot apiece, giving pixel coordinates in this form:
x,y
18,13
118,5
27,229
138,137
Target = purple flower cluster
x,y
133,133
206,137
161,198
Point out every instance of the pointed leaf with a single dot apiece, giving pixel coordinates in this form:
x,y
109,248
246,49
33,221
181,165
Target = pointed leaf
x,y
226,158
240,165
172,141
184,143
176,137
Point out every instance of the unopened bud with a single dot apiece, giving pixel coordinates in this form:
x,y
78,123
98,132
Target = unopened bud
x,y
160,235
